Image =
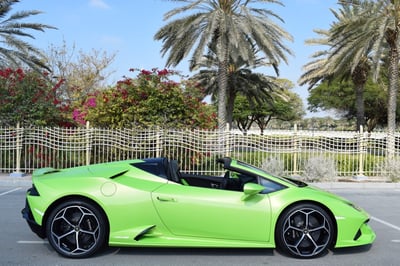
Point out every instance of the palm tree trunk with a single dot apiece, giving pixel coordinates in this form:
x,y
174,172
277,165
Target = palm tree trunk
x,y
222,92
359,77
223,54
229,107
360,106
393,88
392,100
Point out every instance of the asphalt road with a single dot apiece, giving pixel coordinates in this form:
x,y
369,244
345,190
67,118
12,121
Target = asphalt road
x,y
19,246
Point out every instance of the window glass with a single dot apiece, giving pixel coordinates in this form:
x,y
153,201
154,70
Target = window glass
x,y
269,185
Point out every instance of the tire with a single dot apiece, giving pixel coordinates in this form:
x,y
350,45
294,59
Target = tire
x,y
304,231
76,229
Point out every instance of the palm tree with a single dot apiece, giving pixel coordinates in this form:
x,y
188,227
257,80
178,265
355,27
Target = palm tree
x,y
256,87
378,28
233,28
14,50
345,59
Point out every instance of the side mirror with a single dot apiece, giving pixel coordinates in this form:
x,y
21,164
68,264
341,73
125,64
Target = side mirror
x,y
251,189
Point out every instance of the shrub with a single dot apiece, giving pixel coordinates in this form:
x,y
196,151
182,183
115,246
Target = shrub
x,y
274,165
319,169
391,168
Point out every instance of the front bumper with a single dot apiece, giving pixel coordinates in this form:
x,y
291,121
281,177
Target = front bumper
x,y
364,235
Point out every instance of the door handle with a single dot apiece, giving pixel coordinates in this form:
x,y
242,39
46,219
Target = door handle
x,y
165,199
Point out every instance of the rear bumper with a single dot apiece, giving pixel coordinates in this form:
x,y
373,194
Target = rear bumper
x,y
27,215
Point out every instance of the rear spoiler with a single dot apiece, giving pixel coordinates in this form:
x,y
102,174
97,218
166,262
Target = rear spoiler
x,y
44,171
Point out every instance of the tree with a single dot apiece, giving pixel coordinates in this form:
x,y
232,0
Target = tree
x,y
152,99
288,108
243,114
339,96
344,60
377,26
29,98
83,73
15,51
231,28
256,87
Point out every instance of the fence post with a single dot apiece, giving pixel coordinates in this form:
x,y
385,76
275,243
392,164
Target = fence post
x,y
296,146
19,135
159,141
390,145
227,140
87,143
361,150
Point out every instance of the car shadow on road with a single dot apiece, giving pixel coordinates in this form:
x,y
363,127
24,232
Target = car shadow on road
x,y
167,251
351,250
146,251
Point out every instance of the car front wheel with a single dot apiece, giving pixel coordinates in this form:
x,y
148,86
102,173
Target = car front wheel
x,y
76,229
304,231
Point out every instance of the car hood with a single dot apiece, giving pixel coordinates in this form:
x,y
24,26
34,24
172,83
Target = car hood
x,y
325,193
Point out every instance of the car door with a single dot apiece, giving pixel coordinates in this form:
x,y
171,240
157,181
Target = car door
x,y
213,213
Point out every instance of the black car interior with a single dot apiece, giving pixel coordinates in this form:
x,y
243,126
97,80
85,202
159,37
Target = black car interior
x,y
169,169
227,181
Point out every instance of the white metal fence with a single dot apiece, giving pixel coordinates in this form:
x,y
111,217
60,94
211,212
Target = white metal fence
x,y
291,152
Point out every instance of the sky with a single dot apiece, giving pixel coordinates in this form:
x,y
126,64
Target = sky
x,y
127,28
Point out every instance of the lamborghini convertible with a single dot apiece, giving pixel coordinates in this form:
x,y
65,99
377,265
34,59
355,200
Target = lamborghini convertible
x,y
151,203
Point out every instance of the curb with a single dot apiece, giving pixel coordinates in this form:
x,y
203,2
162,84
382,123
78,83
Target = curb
x,y
356,185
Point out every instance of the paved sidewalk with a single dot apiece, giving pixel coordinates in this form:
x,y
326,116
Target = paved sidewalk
x,y
17,180
26,181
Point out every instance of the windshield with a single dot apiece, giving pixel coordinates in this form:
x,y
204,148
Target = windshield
x,y
265,173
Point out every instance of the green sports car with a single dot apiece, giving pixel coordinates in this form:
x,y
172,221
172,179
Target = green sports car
x,y
151,203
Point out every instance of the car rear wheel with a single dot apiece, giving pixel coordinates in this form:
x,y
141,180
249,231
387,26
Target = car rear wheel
x,y
76,229
304,231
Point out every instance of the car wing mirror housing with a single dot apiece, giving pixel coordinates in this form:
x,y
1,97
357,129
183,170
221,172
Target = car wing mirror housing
x,y
251,189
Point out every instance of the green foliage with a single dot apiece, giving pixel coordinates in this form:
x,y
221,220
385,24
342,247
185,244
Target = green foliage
x,y
258,88
339,96
152,99
363,42
29,98
284,105
234,30
242,113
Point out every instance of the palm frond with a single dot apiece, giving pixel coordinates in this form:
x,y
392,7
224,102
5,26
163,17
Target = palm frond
x,y
15,51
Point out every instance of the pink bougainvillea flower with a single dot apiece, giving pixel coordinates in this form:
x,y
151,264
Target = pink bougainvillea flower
x,y
91,102
145,72
163,72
